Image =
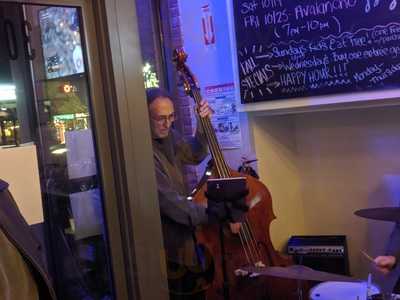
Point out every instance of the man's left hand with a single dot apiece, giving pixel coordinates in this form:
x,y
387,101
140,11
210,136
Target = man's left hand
x,y
204,109
235,227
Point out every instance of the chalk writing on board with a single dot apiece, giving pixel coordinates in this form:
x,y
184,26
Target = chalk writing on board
x,y
313,47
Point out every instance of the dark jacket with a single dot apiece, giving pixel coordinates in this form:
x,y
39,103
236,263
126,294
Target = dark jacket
x,y
18,233
178,215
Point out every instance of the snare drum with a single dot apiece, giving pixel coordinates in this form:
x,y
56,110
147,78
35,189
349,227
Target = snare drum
x,y
335,290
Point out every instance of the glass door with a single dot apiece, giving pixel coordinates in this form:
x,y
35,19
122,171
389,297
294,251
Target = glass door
x,y
46,103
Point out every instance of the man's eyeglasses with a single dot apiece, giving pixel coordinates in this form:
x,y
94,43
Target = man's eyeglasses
x,y
162,119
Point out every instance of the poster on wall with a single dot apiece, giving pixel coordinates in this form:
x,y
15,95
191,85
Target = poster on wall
x,y
207,22
206,41
226,118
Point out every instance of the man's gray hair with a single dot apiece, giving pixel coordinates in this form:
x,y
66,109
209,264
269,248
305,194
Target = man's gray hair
x,y
154,93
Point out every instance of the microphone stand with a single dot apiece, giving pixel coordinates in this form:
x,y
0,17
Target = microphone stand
x,y
225,280
225,283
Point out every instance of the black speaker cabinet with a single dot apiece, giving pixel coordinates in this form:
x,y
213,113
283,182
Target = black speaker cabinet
x,y
326,253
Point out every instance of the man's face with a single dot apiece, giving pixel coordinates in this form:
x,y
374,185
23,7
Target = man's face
x,y
162,114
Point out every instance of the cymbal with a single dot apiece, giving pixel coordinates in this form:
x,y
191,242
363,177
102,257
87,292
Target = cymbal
x,y
391,214
299,272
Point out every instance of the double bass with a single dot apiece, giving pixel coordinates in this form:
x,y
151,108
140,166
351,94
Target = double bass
x,y
252,246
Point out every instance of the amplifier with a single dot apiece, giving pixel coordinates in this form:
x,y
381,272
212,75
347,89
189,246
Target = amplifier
x,y
326,253
316,250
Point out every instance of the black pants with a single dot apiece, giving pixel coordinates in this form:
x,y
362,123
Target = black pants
x,y
184,283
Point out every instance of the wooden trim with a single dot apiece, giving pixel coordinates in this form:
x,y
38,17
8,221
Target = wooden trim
x,y
101,89
139,209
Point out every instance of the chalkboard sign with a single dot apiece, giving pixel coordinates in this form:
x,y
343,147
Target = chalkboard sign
x,y
295,48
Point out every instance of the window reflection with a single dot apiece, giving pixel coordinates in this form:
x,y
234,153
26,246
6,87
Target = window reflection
x,y
44,99
73,188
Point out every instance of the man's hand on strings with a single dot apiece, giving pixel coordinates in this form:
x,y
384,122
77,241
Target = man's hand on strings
x,y
235,227
204,109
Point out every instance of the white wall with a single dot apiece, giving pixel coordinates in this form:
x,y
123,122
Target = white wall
x,y
276,151
19,167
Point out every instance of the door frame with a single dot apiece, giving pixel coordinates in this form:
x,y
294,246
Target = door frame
x,y
123,145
